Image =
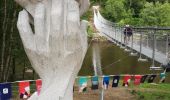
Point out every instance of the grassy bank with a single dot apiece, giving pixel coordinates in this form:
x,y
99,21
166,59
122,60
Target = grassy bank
x,y
143,92
152,92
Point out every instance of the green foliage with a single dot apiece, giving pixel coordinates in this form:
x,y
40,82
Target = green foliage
x,y
161,1
135,6
164,14
88,16
115,10
149,14
156,14
90,31
138,12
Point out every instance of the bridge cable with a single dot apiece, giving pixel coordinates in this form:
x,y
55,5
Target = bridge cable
x,y
119,31
147,40
153,53
121,38
109,65
125,39
167,46
141,36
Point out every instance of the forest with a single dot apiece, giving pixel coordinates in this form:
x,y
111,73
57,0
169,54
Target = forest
x,y
13,60
136,12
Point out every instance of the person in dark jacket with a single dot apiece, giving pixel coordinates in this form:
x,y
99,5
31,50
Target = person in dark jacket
x,y
127,33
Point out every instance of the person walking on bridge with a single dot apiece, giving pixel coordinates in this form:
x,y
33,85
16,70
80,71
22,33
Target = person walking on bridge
x,y
127,33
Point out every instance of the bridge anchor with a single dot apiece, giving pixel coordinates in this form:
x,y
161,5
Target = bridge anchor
x,y
142,60
133,54
156,68
127,50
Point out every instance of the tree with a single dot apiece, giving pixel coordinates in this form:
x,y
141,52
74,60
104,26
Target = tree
x,y
135,6
115,10
161,1
11,49
164,14
149,14
7,37
156,14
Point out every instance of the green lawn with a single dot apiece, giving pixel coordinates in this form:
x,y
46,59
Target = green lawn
x,y
152,91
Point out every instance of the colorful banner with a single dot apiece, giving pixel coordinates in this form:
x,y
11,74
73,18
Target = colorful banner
x,y
24,89
137,79
162,77
38,86
126,80
115,81
151,78
143,78
5,91
95,83
24,86
82,84
106,82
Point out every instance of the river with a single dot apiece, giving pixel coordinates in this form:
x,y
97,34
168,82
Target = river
x,y
115,61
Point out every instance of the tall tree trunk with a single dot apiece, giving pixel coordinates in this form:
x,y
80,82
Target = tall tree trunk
x,y
13,69
8,62
3,39
6,71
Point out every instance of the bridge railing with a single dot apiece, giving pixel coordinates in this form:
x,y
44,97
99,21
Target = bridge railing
x,y
152,38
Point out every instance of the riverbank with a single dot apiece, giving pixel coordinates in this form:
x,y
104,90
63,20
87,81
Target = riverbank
x,y
98,38
143,92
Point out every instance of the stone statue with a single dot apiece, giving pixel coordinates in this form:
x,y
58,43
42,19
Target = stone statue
x,y
55,42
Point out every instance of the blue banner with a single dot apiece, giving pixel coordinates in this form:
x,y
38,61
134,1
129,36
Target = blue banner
x,y
151,78
82,84
5,91
106,81
115,81
95,82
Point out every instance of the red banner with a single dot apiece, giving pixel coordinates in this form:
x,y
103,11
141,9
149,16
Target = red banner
x,y
126,80
38,86
137,79
24,89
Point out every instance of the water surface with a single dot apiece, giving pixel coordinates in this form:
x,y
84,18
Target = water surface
x,y
115,60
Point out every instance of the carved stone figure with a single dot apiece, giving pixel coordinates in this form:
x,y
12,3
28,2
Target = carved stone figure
x,y
55,42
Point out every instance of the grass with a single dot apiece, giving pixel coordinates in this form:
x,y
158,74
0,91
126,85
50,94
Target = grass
x,y
152,91
153,95
162,86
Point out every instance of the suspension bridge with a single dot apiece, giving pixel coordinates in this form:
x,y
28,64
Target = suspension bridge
x,y
152,43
